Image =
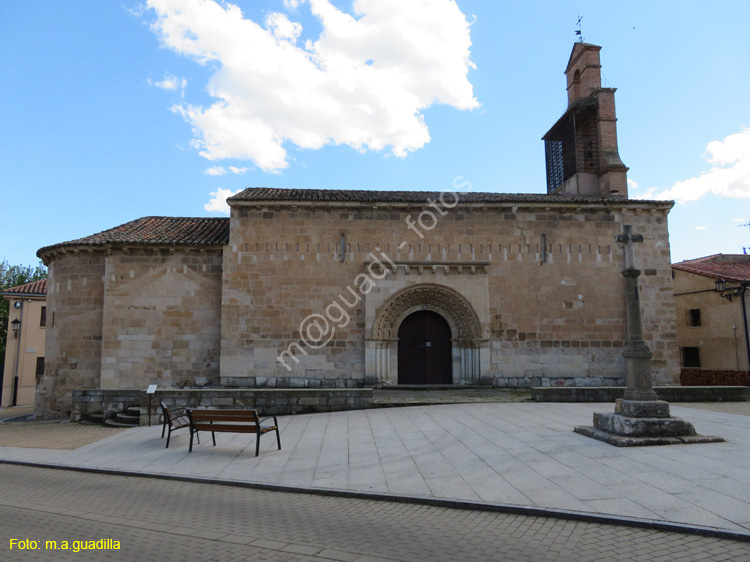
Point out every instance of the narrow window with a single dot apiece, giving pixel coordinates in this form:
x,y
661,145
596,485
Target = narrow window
x,y
43,318
691,357
694,317
39,369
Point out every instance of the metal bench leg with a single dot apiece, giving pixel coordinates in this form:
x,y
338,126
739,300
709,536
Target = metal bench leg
x,y
190,450
257,443
278,438
168,436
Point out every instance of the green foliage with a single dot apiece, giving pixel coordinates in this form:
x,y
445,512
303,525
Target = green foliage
x,y
12,276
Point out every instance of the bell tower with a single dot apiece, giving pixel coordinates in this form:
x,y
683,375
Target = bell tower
x,y
581,148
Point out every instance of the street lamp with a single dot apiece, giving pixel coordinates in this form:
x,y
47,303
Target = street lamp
x,y
16,327
721,288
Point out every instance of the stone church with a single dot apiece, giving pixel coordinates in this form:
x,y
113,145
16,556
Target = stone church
x,y
344,288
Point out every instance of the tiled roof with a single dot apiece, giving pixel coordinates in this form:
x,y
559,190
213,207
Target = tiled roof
x,y
375,196
157,231
32,288
730,267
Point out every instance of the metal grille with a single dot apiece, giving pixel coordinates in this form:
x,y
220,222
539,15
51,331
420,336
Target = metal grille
x,y
571,146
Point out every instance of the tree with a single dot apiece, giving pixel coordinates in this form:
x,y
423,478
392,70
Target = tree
x,y
12,276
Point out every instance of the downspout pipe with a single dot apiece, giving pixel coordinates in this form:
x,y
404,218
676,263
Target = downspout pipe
x,y
744,319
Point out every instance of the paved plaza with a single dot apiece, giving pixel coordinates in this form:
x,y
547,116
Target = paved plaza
x,y
500,454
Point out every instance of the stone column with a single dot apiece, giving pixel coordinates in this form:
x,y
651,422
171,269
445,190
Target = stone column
x,y
637,354
641,418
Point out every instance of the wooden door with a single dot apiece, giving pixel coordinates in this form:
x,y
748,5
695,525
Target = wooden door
x,y
424,349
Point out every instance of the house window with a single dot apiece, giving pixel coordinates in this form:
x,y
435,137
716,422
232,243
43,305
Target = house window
x,y
694,317
691,357
43,318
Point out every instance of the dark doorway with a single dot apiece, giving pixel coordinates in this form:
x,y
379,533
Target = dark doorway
x,y
424,349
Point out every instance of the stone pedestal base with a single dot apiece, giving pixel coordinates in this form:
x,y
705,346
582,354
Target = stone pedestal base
x,y
638,423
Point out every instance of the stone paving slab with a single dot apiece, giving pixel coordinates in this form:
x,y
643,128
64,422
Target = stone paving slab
x,y
515,454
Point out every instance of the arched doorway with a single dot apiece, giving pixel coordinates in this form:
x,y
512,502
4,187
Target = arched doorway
x,y
424,349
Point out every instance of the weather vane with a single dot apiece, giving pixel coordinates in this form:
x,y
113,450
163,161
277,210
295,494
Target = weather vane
x,y
747,224
578,31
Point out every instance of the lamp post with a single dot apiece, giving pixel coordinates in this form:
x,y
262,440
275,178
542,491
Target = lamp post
x,y
16,327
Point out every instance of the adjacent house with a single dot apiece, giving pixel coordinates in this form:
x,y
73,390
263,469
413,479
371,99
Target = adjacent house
x,y
24,355
712,305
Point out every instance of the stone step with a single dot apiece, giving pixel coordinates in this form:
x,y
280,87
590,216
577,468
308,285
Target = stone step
x,y
430,387
135,410
114,423
97,418
127,418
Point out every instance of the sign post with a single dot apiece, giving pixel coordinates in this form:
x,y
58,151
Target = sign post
x,y
150,391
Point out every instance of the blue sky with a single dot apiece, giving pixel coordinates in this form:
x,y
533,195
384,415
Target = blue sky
x,y
113,111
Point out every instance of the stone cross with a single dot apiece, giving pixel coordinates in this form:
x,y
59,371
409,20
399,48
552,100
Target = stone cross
x,y
637,354
628,238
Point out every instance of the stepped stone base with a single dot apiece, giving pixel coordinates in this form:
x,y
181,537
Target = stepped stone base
x,y
638,423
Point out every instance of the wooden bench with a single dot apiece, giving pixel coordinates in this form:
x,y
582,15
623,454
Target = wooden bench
x,y
174,419
232,421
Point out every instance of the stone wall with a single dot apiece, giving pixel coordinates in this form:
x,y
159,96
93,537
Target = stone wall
x,y
668,393
161,318
75,297
128,318
554,290
266,401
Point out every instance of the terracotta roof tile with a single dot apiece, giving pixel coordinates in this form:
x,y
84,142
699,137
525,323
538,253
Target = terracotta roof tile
x,y
376,196
178,231
730,267
32,288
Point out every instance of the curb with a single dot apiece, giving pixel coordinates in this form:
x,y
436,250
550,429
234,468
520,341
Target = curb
x,y
569,515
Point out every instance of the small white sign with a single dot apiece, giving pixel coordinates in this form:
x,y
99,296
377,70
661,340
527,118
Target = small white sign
x,y
151,389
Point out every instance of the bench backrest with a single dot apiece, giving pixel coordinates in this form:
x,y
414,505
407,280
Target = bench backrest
x,y
246,416
176,421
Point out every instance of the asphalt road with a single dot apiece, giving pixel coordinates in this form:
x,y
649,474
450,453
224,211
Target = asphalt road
x,y
167,520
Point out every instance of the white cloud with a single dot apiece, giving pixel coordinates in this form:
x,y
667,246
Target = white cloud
x,y
283,29
221,170
700,228
215,171
363,82
291,4
170,82
218,202
729,175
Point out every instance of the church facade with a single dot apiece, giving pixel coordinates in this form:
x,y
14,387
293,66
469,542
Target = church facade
x,y
344,288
